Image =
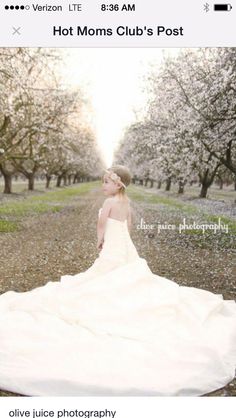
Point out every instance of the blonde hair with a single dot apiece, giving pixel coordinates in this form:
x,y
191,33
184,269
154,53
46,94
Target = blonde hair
x,y
124,174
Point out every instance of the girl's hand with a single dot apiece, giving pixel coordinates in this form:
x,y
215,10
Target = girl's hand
x,y
100,245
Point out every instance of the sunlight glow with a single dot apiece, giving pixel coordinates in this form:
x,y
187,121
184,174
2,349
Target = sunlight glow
x,y
113,79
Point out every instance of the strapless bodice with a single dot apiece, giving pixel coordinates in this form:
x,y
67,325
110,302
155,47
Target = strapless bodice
x,y
116,220
118,244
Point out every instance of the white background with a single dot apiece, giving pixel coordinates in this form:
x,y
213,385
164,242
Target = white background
x,y
199,28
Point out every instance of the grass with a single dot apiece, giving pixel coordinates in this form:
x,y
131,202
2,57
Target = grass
x,y
192,232
190,209
213,219
202,239
53,200
25,208
63,195
214,192
22,186
49,201
153,198
8,226
224,220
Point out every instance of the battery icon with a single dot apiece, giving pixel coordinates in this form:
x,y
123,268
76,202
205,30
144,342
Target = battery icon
x,y
222,7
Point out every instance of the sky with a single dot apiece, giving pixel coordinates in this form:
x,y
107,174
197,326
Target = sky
x,y
113,79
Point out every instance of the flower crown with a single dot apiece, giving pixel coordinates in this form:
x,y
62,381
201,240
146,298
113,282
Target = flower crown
x,y
114,177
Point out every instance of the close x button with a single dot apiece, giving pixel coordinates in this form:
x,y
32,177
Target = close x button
x,y
16,31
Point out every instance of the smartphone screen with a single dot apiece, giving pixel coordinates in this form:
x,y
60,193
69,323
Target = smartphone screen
x,y
117,208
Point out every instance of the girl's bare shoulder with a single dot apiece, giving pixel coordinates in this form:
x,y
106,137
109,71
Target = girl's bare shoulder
x,y
112,201
108,202
108,199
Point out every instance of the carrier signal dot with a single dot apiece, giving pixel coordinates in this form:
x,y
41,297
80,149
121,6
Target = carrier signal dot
x,y
15,7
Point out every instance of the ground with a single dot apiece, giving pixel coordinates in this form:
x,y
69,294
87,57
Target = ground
x,y
58,237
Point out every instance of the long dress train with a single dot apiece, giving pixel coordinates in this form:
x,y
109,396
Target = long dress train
x,y
116,329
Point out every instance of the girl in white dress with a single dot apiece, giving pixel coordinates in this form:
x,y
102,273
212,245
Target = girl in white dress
x,y
117,205
116,329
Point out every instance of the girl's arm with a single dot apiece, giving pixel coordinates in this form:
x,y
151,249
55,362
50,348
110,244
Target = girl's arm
x,y
129,219
101,223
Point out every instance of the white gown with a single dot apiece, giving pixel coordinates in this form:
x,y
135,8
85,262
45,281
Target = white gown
x,y
116,329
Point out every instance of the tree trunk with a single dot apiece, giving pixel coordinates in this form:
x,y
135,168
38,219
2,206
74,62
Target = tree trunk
x,y
206,180
159,184
31,181
168,184
221,184
65,180
7,183
69,179
181,187
48,179
58,184
204,189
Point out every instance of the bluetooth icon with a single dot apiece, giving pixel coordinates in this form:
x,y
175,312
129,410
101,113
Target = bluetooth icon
x,y
206,7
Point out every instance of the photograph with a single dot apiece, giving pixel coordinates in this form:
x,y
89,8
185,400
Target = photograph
x,y
117,222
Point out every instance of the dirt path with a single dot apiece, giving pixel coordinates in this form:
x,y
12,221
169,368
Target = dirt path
x,y
54,244
50,245
177,257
